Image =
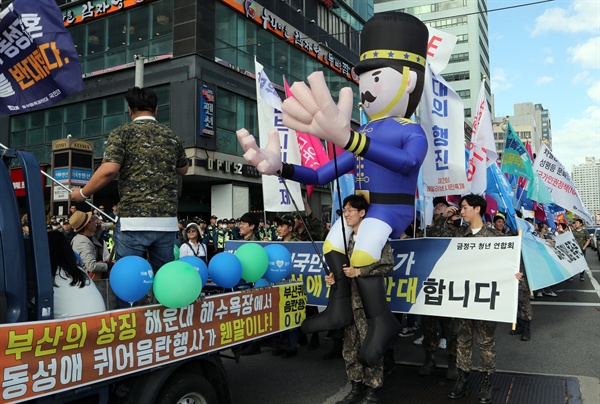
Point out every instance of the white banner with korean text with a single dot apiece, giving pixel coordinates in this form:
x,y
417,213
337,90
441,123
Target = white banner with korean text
x,y
275,196
442,116
559,183
448,277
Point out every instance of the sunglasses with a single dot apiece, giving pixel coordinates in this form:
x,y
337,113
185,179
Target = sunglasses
x,y
192,231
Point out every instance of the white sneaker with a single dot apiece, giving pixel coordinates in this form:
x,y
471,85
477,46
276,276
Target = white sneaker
x,y
442,343
419,341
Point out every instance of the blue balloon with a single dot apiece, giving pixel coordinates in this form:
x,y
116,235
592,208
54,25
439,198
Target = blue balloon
x,y
225,269
199,264
280,262
131,278
261,282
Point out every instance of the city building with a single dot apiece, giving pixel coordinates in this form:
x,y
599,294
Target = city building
x,y
586,178
470,60
199,58
531,122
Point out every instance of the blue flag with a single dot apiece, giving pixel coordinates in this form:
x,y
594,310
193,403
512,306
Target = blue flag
x,y
516,159
38,63
499,188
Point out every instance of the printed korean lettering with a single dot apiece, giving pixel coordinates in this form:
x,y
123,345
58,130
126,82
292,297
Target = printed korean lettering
x,y
207,311
464,298
45,377
17,344
180,341
75,336
106,334
153,322
433,290
49,341
407,289
127,329
479,289
222,310
162,344
144,352
14,381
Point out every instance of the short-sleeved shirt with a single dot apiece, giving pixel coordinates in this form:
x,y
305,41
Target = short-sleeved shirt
x,y
581,237
149,154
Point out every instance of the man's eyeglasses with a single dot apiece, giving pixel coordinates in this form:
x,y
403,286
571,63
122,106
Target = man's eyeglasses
x,y
350,210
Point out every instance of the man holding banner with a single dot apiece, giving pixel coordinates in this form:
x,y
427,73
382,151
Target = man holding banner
x,y
582,237
472,209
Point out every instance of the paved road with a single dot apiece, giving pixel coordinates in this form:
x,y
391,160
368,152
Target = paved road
x,y
565,341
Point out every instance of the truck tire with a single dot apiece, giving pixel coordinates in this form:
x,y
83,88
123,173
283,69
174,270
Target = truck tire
x,y
187,388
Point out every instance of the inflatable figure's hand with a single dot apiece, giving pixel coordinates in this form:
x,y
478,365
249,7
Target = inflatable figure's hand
x,y
313,111
268,160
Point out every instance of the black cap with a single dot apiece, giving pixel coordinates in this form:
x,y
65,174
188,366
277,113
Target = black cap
x,y
225,221
249,218
392,39
285,219
440,199
213,217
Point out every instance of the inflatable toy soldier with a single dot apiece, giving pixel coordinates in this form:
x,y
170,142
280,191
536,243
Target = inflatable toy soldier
x,y
385,154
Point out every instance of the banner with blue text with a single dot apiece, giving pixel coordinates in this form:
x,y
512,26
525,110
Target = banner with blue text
x,y
38,61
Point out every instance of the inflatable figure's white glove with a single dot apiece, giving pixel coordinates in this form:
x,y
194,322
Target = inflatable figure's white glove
x,y
268,160
313,111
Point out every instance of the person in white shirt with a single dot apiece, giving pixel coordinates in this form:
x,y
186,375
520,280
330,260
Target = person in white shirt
x,y
192,245
75,293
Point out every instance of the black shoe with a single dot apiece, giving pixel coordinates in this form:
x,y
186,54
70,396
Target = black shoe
x,y
461,387
452,371
277,352
526,335
518,328
253,348
485,389
428,366
289,353
371,397
356,394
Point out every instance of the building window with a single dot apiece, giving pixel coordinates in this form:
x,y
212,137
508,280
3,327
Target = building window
x,y
457,76
464,94
459,57
92,120
467,112
233,112
114,40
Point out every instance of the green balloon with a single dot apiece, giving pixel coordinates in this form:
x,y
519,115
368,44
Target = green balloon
x,y
175,252
254,261
177,284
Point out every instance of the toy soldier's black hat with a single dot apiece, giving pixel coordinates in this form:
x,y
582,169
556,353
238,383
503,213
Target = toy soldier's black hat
x,y
392,39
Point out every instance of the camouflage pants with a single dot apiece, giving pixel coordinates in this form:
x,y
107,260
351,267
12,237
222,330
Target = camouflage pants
x,y
431,338
354,335
485,341
524,311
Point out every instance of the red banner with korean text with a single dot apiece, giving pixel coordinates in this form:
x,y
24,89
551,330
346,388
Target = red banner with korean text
x,y
42,358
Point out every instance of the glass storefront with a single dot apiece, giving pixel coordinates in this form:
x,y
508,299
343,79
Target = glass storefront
x,y
114,40
91,120
238,39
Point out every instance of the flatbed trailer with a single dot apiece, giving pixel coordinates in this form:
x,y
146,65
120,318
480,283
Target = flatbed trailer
x,y
144,354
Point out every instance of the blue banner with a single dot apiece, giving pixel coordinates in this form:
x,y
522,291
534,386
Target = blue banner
x,y
448,277
38,61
